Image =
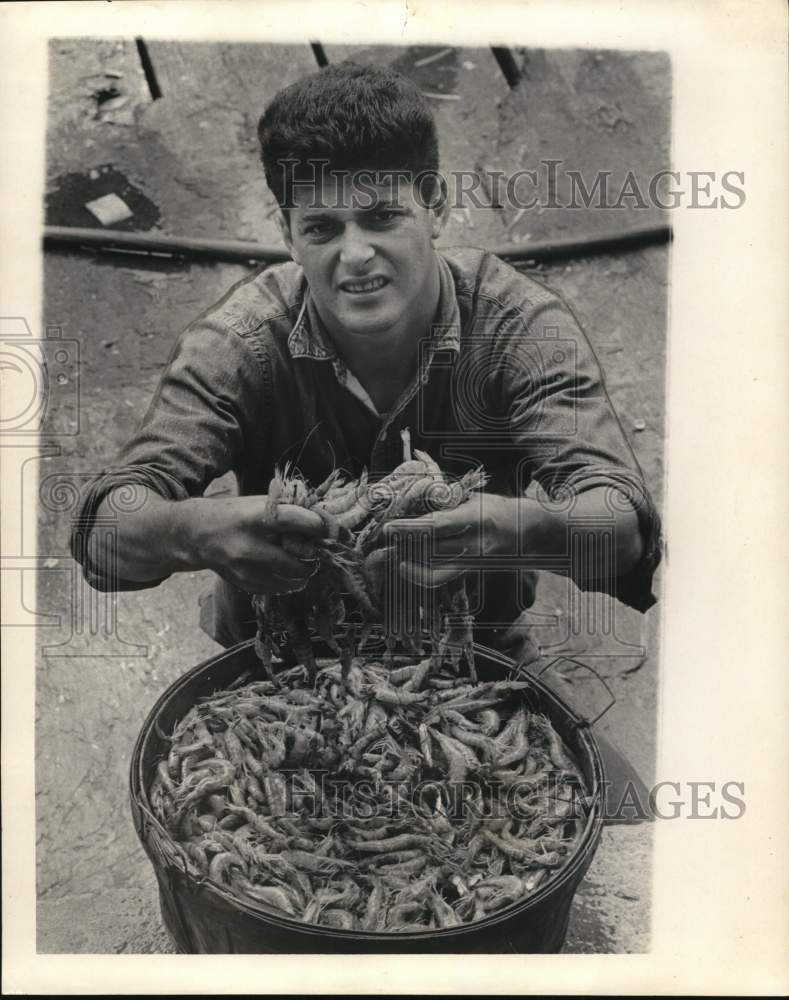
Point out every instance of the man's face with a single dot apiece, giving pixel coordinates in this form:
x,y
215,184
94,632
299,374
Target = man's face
x,y
366,249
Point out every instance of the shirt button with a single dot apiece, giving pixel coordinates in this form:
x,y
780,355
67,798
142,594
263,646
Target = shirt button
x,y
383,435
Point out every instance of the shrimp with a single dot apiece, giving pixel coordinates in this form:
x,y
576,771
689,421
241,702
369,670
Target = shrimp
x,y
460,758
401,674
398,696
489,721
374,909
163,770
315,863
222,863
424,744
272,896
400,842
377,861
531,857
341,919
411,866
472,739
445,915
407,912
276,793
417,678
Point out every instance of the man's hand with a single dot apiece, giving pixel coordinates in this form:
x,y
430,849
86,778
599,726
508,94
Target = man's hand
x,y
489,525
245,547
235,536
485,525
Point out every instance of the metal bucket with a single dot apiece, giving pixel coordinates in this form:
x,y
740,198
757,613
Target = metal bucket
x,y
204,918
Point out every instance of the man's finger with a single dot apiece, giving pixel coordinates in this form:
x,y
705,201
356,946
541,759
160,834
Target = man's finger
x,y
292,519
440,524
429,577
287,566
455,547
461,521
407,525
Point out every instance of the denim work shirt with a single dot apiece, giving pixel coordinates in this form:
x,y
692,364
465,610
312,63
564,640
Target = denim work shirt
x,y
507,380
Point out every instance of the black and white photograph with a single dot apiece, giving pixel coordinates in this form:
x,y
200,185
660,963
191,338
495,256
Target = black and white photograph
x,y
336,485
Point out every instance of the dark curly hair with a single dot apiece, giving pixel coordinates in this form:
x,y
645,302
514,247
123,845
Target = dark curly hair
x,y
350,118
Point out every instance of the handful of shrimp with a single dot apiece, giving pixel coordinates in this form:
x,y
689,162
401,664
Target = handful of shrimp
x,y
353,563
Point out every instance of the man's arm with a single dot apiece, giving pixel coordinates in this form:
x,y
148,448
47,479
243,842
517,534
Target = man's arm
x,y
209,405
237,537
559,412
568,442
499,528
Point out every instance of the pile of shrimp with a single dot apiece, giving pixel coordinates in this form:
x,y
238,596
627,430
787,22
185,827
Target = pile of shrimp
x,y
354,564
373,796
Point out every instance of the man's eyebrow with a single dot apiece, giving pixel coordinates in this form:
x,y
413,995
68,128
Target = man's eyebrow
x,y
384,201
315,214
324,215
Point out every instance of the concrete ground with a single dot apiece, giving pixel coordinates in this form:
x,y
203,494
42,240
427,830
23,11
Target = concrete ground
x,y
186,165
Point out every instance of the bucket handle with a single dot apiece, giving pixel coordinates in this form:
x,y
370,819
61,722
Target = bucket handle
x,y
156,836
583,716
516,671
520,671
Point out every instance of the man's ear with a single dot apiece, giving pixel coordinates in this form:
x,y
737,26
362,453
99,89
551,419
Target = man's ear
x,y
439,210
283,221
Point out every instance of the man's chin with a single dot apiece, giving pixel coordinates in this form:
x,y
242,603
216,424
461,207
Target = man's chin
x,y
367,321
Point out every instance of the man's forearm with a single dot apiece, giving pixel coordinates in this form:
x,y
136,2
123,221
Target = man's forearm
x,y
544,537
237,537
150,542
542,531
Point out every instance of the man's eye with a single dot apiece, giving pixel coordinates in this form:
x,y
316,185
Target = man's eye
x,y
385,215
316,229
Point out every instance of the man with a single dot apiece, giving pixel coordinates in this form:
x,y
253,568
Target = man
x,y
370,330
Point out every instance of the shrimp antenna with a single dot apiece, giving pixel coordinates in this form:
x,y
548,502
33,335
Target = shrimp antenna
x,y
305,442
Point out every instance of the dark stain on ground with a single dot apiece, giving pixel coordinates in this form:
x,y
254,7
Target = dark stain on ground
x,y
65,201
106,94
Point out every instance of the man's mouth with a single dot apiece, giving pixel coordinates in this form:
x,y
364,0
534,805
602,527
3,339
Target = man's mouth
x,y
360,286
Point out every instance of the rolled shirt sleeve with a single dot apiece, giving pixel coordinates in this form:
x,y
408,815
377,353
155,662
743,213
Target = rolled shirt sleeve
x,y
206,405
564,424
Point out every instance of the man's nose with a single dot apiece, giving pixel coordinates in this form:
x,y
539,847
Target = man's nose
x,y
356,250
